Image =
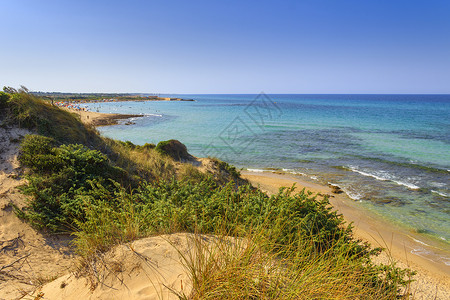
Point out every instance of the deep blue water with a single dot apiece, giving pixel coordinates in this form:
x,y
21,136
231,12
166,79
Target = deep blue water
x,y
391,153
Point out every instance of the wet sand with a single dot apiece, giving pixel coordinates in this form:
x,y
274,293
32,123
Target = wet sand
x,y
433,278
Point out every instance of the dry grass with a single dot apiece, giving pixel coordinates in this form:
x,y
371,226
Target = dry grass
x,y
224,267
31,112
145,163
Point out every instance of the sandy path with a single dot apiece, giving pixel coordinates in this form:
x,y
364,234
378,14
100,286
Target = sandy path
x,y
433,279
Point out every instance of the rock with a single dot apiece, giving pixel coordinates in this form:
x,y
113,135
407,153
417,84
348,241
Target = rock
x,y
335,189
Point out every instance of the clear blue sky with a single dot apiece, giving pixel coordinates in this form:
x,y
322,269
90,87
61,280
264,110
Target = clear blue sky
x,y
313,46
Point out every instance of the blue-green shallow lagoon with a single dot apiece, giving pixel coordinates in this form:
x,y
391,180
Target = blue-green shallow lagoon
x,y
391,153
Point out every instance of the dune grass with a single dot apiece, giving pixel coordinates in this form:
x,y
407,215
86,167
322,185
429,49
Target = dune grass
x,y
253,267
31,112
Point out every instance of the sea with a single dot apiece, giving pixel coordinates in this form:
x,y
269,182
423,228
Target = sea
x,y
389,153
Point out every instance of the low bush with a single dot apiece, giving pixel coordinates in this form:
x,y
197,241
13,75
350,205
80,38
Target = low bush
x,y
173,148
61,176
4,98
311,242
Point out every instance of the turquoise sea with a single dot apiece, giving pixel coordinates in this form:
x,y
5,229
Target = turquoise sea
x,y
390,153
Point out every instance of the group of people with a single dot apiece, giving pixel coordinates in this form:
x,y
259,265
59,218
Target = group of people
x,y
74,106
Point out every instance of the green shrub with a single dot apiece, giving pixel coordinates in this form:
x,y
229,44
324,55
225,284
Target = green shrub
x,y
173,148
61,176
170,206
296,227
147,146
4,98
37,153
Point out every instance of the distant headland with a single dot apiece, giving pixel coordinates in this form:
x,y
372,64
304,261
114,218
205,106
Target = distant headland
x,y
104,97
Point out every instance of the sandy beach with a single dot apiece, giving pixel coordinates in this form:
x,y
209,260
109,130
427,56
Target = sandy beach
x,y
100,119
433,278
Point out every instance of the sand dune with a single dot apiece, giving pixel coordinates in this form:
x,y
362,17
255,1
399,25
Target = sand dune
x,y
149,268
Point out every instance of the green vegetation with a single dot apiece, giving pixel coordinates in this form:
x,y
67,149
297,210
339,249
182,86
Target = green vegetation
x,y
174,149
60,177
253,267
57,96
106,192
4,98
30,112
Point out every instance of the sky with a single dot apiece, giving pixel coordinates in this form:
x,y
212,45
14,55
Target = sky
x,y
303,46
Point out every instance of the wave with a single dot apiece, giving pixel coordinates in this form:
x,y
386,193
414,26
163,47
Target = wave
x,y
408,164
422,252
440,194
354,195
386,177
256,170
420,242
293,172
438,184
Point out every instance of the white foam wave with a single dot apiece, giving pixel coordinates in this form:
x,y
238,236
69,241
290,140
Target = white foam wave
x,y
420,252
352,194
440,194
368,174
438,184
420,242
293,172
153,115
408,185
386,177
255,170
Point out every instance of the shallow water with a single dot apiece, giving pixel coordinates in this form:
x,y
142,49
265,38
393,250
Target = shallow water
x,y
389,152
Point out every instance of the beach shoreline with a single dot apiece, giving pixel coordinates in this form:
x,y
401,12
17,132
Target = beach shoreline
x,y
101,119
433,278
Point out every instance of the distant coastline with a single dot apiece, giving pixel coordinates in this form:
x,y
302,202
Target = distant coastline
x,y
103,97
